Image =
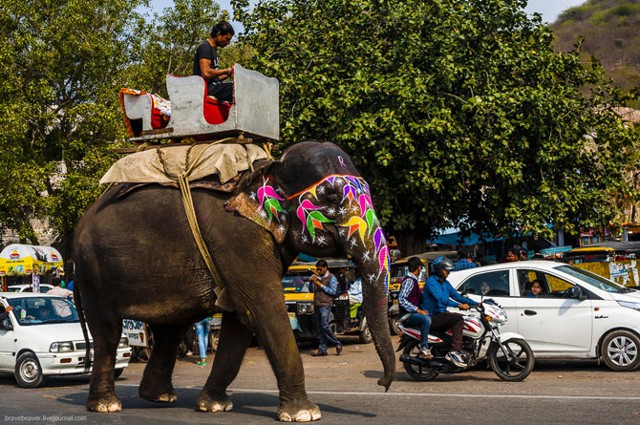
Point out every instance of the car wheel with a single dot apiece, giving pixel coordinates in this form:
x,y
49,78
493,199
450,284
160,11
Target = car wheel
x,y
182,348
214,339
620,351
28,371
365,335
118,373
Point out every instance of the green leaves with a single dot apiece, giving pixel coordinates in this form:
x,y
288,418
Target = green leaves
x,y
456,112
63,63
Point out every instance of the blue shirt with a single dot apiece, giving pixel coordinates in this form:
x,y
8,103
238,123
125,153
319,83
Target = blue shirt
x,y
463,264
437,296
332,288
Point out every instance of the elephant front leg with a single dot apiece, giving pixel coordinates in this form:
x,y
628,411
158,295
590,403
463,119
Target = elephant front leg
x,y
156,381
283,355
274,333
232,345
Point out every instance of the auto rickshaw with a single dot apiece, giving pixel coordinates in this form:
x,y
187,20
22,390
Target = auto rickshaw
x,y
298,296
613,260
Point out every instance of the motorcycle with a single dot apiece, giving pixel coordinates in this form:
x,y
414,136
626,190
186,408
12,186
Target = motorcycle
x,y
508,354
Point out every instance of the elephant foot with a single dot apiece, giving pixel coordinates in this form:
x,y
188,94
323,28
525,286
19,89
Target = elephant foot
x,y
158,395
218,403
299,412
106,404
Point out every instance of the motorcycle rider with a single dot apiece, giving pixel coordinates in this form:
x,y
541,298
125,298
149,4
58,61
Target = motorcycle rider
x,y
438,294
409,301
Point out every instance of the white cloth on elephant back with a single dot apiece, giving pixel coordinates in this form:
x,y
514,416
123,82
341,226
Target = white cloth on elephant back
x,y
224,160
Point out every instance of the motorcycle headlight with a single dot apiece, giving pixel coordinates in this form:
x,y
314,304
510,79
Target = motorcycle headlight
x,y
305,308
124,342
631,305
61,347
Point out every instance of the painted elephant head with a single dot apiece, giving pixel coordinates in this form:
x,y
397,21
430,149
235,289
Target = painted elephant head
x,y
314,200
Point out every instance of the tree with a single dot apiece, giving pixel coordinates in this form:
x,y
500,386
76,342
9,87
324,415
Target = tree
x,y
458,113
60,58
63,64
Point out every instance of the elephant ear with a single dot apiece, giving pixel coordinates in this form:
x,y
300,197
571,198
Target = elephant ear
x,y
260,200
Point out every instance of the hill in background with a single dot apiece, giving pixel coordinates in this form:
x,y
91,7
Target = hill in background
x,y
611,29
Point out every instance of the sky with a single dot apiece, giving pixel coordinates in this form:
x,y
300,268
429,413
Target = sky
x,y
549,9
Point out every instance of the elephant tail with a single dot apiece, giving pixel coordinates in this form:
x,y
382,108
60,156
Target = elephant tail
x,y
83,324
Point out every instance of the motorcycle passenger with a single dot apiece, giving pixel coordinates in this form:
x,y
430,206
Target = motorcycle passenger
x,y
438,294
409,301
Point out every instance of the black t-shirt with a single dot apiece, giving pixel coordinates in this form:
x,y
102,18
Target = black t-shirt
x,y
206,51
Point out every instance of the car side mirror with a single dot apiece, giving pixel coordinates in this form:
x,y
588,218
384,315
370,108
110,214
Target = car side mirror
x,y
576,292
6,324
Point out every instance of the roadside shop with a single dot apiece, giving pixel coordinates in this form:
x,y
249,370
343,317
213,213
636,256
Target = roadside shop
x,y
29,264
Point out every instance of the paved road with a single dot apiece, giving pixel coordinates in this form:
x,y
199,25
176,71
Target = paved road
x,y
345,389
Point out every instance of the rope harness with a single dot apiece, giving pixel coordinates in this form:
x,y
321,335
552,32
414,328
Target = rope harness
x,y
182,178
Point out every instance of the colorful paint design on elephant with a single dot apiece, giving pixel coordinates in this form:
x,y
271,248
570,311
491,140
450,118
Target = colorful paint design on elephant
x,y
356,215
269,202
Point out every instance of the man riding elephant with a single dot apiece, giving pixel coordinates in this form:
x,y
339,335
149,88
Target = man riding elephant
x,y
132,247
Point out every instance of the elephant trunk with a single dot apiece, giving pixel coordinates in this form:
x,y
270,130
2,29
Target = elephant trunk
x,y
375,305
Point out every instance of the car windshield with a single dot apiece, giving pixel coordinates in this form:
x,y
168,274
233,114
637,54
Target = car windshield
x,y
594,279
43,310
295,283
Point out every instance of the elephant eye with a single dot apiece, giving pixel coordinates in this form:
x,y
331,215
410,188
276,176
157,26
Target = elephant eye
x,y
332,199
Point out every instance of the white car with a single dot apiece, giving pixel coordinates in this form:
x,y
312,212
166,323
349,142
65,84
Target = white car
x,y
23,287
579,315
42,336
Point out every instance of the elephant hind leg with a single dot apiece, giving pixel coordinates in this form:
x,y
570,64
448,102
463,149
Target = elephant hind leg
x,y
156,380
234,341
106,335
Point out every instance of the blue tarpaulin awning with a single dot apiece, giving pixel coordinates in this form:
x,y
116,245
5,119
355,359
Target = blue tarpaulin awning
x,y
454,239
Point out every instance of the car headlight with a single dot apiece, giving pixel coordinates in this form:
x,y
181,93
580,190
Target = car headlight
x,y
627,304
305,308
124,342
61,347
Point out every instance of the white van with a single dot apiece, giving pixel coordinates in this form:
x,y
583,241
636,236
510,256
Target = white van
x,y
42,337
578,315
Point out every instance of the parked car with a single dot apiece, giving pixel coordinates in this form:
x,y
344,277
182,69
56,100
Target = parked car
x,y
42,337
578,315
26,287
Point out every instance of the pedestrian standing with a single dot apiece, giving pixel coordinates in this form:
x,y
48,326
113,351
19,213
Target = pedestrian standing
x,y
202,330
325,289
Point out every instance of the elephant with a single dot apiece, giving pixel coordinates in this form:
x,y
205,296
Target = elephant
x,y
135,257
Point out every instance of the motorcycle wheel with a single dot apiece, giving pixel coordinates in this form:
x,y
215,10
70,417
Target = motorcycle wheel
x,y
393,326
417,372
516,365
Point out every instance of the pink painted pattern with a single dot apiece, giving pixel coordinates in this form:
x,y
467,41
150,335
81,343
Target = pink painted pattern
x,y
360,218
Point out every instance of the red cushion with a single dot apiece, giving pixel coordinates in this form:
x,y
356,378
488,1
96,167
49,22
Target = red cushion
x,y
157,120
216,111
